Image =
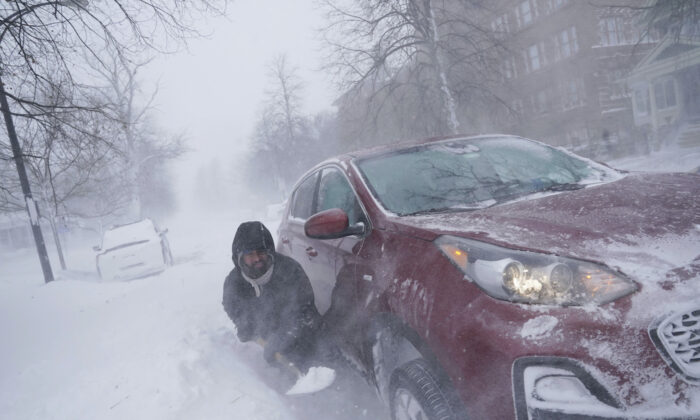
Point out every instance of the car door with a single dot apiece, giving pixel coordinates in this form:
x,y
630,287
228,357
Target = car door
x,y
349,310
314,255
292,240
334,191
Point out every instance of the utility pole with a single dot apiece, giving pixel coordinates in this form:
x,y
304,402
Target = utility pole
x,y
32,208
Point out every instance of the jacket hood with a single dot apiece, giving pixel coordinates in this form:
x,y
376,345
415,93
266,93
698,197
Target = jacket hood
x,y
251,236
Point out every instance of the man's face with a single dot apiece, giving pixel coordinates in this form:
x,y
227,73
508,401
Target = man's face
x,y
257,260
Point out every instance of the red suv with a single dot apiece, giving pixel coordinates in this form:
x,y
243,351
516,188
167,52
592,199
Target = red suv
x,y
495,277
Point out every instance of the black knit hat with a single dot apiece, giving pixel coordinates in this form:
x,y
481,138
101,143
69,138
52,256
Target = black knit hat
x,y
251,236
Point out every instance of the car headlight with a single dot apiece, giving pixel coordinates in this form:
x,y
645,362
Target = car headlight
x,y
530,277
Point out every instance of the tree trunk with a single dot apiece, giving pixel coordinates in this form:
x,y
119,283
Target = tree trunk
x,y
49,197
448,101
57,241
135,211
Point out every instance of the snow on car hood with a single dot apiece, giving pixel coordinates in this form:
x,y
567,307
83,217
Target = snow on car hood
x,y
129,234
645,225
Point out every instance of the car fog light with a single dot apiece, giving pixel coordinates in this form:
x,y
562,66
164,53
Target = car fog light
x,y
561,388
550,388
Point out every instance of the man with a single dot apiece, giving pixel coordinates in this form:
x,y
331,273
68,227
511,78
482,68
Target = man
x,y
269,298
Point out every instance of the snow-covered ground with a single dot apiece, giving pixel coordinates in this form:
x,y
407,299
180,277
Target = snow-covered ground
x,y
671,159
160,347
154,348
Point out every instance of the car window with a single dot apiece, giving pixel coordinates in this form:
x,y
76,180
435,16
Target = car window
x,y
462,175
335,192
303,201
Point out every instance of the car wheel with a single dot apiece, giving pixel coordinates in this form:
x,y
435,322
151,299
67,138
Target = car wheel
x,y
416,394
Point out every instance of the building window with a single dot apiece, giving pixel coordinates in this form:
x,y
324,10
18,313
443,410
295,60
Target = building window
x,y
548,7
574,40
665,94
574,94
612,31
524,13
509,69
500,24
565,43
641,101
543,53
533,58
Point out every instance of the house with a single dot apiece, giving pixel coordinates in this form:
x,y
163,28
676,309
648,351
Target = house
x,y
666,87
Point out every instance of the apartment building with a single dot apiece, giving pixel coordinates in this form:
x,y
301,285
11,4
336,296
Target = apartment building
x,y
565,73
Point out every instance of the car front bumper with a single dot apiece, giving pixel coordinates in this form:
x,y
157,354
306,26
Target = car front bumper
x,y
584,367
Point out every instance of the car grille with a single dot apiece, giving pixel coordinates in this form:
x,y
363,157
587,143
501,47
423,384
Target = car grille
x,y
678,338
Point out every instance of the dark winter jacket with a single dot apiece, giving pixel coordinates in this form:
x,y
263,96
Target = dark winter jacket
x,y
282,314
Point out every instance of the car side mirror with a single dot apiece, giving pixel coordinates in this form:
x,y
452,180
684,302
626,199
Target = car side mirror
x,y
331,224
97,248
163,232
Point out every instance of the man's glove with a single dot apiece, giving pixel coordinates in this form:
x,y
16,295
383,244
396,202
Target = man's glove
x,y
244,331
277,343
269,353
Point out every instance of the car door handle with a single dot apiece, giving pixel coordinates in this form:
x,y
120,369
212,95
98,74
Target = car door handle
x,y
311,252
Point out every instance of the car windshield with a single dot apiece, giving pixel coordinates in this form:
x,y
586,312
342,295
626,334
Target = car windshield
x,y
134,232
458,175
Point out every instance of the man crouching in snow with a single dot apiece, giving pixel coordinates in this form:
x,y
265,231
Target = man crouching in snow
x,y
269,298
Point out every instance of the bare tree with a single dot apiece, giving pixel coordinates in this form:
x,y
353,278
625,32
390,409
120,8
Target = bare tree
x,y
433,56
137,144
45,41
42,42
62,169
282,129
62,158
673,18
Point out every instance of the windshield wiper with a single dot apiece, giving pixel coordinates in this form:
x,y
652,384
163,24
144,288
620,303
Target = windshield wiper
x,y
426,211
563,187
456,208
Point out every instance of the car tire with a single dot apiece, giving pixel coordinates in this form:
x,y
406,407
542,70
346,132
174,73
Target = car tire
x,y
416,394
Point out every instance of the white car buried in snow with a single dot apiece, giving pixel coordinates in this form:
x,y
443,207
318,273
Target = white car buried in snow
x,y
132,251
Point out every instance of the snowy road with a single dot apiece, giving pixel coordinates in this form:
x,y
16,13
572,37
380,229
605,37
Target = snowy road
x,y
155,348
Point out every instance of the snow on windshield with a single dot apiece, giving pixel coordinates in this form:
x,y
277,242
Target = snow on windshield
x,y
474,173
134,232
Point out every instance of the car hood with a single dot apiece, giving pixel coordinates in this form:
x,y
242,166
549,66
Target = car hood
x,y
645,225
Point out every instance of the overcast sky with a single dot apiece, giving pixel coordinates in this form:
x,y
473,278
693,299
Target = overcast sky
x,y
213,91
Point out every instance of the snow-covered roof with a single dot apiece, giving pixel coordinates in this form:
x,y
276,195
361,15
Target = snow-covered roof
x,y
133,232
